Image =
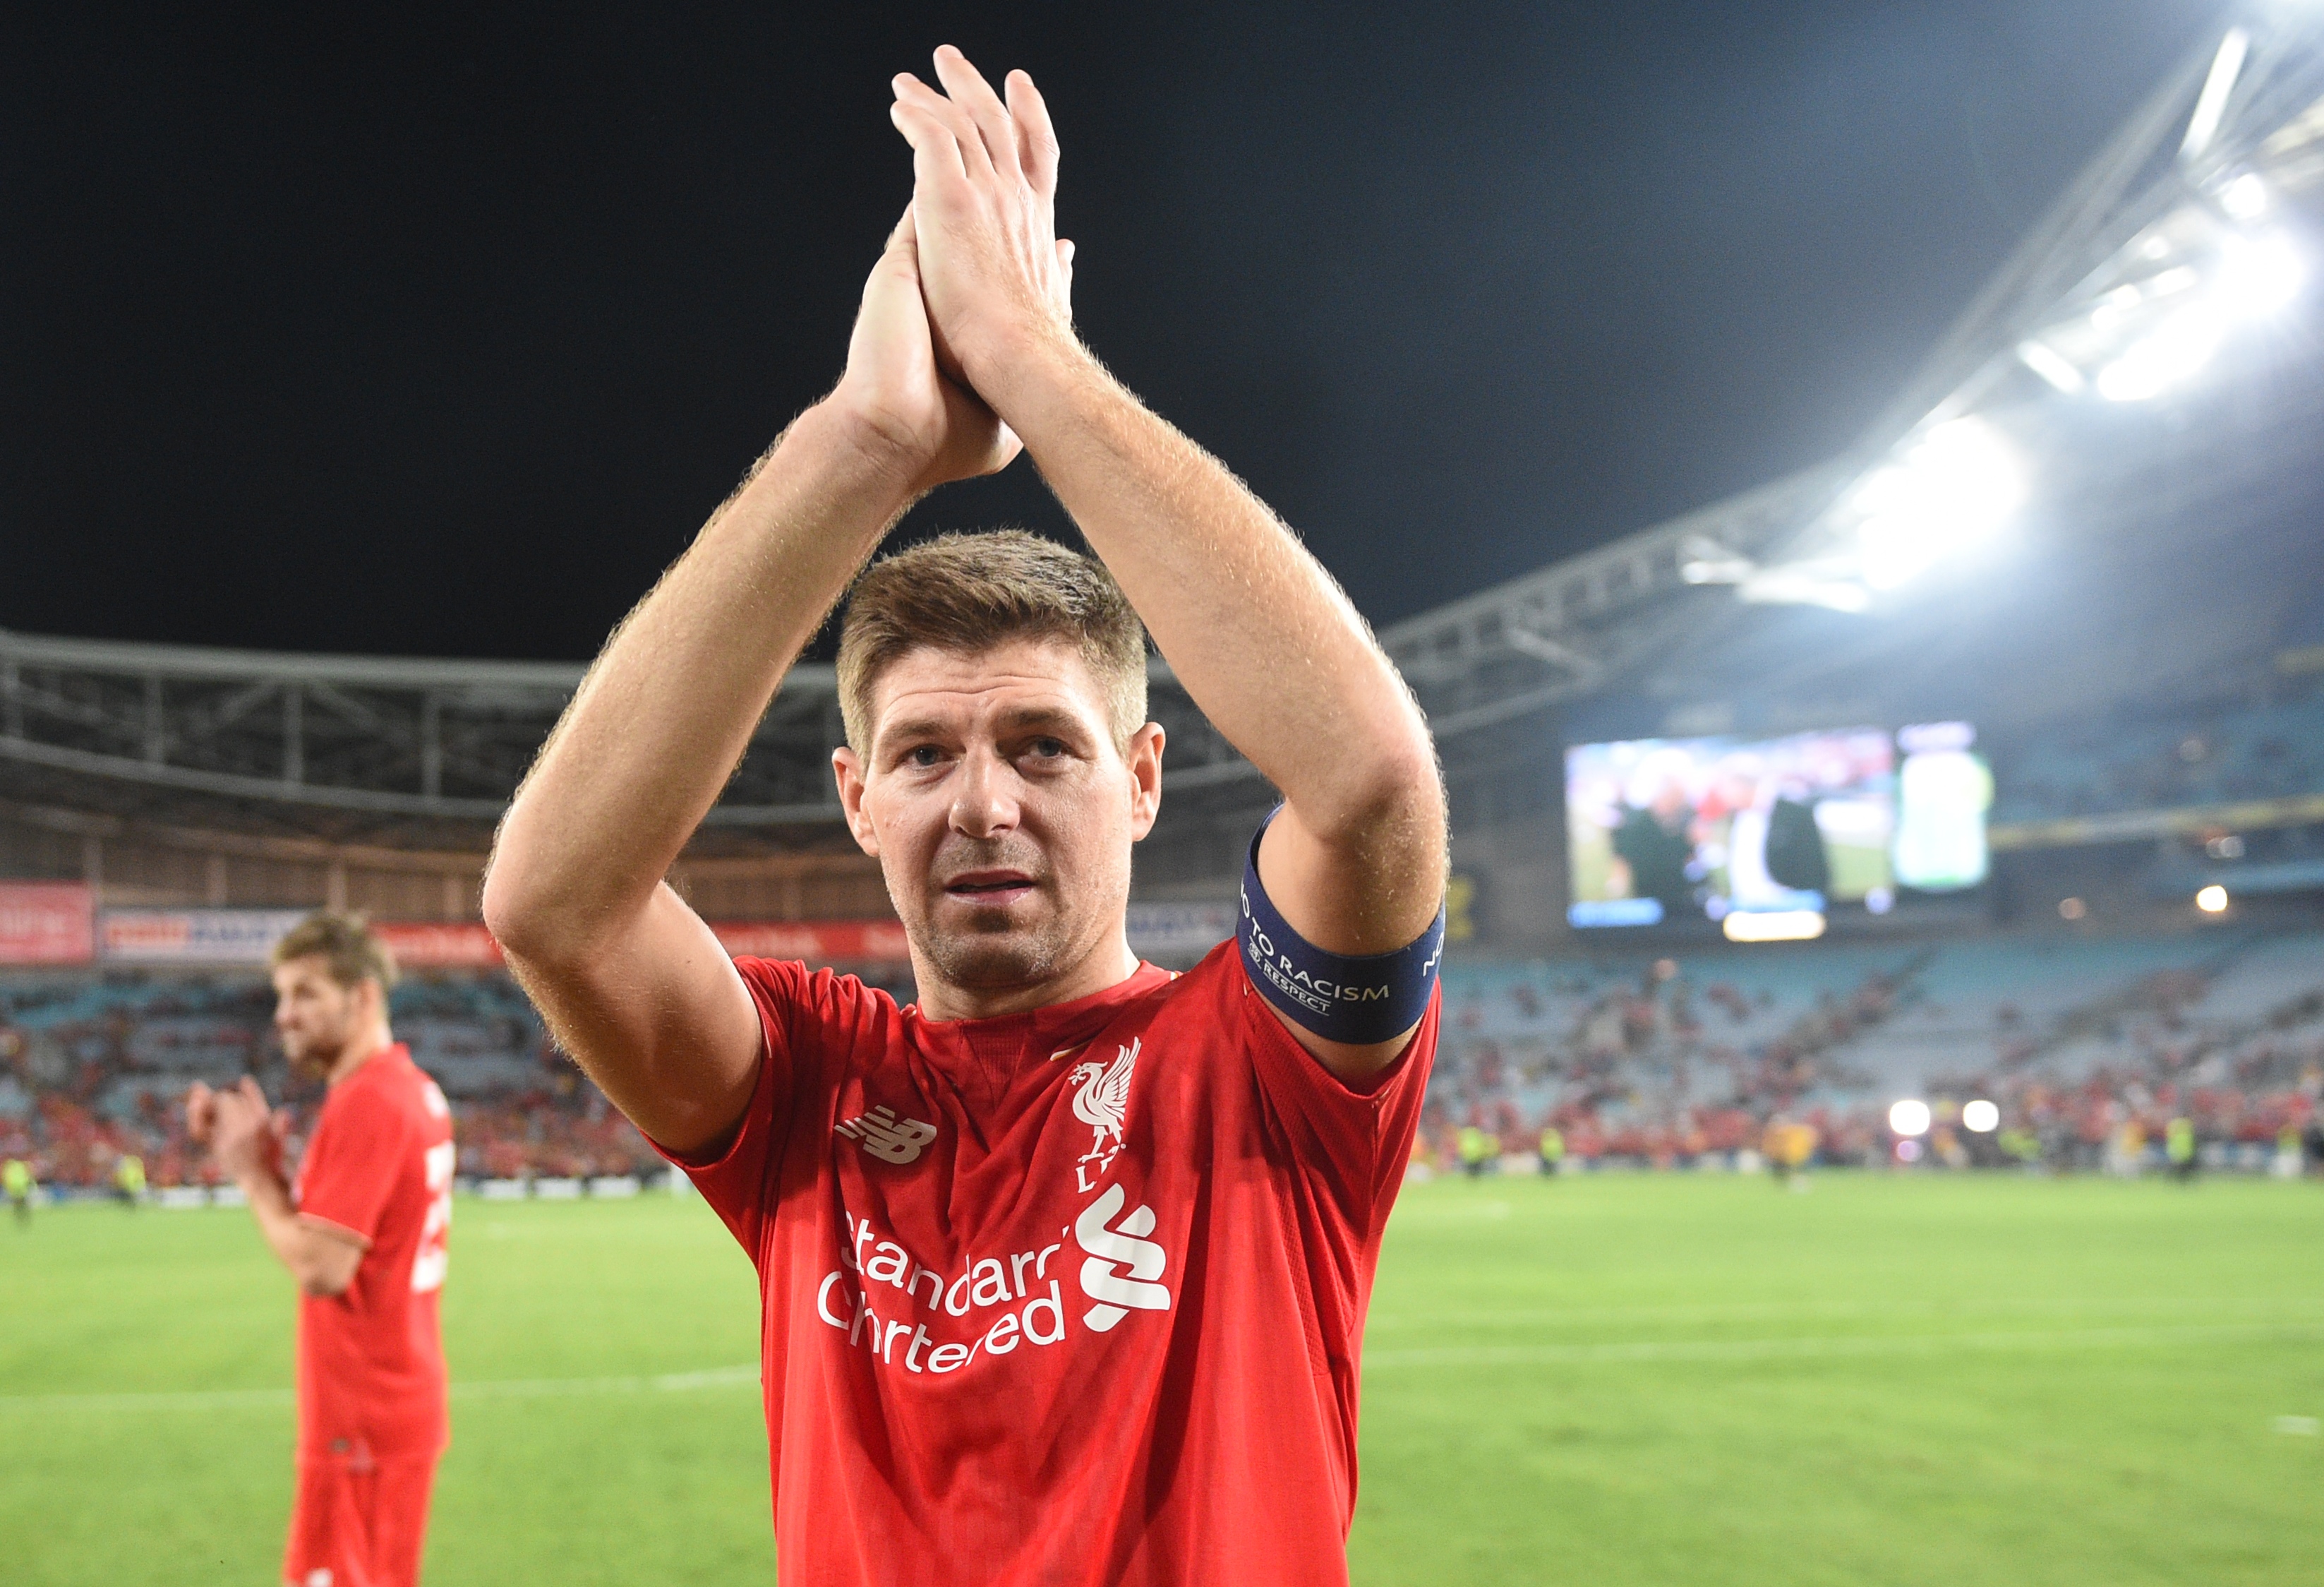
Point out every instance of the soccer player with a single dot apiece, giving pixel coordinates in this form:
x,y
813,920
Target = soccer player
x,y
363,1231
1063,1268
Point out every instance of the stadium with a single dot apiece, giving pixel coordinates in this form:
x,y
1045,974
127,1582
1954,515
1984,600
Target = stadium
x,y
1942,824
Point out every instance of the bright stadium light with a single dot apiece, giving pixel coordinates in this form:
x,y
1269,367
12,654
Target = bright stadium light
x,y
2255,278
2051,365
1909,1118
2259,276
2245,198
2212,899
1979,1116
1952,486
2174,352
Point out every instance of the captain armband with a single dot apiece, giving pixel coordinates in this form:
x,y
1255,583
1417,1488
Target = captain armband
x,y
1358,998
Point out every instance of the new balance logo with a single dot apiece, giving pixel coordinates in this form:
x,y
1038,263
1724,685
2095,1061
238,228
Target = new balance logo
x,y
887,1137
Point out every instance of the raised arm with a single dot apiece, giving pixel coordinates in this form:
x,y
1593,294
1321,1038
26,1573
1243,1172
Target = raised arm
x,y
245,1140
1261,636
631,982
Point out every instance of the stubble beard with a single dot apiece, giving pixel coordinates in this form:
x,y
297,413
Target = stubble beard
x,y
988,951
1002,958
314,1059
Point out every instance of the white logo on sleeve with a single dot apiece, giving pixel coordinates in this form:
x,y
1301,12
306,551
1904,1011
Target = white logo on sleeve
x,y
1112,1249
885,1136
1102,1102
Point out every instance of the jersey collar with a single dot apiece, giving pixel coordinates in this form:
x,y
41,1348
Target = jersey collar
x,y
1064,1024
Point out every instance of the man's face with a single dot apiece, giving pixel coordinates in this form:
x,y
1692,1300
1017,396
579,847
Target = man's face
x,y
315,1016
999,809
1670,802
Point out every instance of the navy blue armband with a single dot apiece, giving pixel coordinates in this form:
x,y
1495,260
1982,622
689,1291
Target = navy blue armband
x,y
1341,997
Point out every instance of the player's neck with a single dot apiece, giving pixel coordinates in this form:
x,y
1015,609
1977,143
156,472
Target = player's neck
x,y
359,1052
1111,964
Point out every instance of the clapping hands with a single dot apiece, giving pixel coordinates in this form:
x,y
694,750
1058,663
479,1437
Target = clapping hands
x,y
993,274
244,1135
974,273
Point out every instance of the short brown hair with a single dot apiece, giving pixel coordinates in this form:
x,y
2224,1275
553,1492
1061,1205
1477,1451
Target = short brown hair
x,y
345,943
967,593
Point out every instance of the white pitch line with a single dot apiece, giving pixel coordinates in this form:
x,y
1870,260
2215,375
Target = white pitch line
x,y
1856,1344
488,1388
1782,1310
1513,1355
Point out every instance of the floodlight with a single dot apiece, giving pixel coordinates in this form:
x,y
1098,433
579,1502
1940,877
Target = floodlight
x,y
1979,1116
2051,365
2212,899
1954,484
2174,352
2258,276
2245,198
1910,1117
2117,307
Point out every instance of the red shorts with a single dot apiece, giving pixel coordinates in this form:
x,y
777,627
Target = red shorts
x,y
356,1521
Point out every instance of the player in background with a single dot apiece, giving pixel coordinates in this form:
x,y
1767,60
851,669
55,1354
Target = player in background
x,y
17,1177
363,1230
1064,1270
1553,1148
129,1180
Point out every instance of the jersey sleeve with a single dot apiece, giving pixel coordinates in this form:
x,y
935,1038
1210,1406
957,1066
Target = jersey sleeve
x,y
808,1020
352,1163
1350,1144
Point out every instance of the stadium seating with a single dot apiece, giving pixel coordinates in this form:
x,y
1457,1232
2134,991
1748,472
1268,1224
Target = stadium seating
x,y
1680,1058
92,1067
1639,1059
2214,758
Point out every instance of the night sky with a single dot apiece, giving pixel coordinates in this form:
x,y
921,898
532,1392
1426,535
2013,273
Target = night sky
x,y
441,336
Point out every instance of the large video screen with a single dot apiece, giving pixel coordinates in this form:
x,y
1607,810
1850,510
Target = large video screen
x,y
1661,830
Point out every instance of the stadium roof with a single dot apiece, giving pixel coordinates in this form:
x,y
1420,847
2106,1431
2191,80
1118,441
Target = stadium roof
x,y
2156,421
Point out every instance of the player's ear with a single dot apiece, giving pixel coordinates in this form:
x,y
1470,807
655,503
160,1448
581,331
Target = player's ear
x,y
847,771
1145,764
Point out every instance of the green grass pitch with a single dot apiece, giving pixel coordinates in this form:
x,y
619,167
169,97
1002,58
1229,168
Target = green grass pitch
x,y
1612,1380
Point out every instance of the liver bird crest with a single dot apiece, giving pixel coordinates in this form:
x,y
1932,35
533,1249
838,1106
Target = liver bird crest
x,y
1101,1100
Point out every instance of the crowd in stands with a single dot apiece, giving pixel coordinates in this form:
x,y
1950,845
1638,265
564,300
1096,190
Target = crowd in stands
x,y
2089,1048
94,1067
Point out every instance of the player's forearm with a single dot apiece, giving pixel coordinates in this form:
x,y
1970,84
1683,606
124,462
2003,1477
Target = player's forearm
x,y
1258,633
292,1242
665,714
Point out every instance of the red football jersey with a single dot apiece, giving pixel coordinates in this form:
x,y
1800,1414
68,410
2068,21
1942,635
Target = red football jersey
x,y
371,1359
1064,1297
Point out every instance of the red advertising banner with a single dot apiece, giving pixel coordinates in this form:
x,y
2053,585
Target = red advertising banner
x,y
818,942
47,923
422,945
